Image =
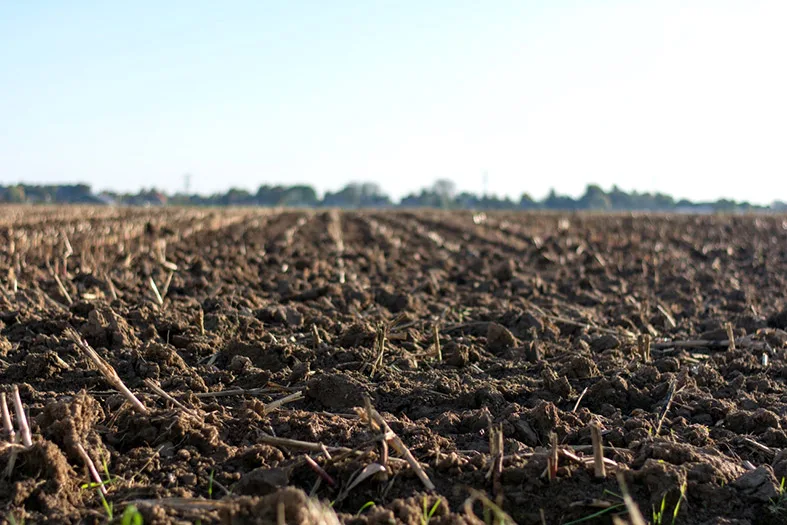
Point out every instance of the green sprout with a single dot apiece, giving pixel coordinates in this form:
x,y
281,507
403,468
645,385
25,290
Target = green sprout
x,y
658,515
428,513
778,505
365,506
597,514
109,507
13,521
131,516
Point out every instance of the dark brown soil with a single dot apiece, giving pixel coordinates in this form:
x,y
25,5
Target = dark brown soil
x,y
541,321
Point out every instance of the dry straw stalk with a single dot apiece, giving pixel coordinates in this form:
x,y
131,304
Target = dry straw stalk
x,y
106,370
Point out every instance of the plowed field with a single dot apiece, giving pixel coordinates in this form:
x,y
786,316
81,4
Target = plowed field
x,y
383,367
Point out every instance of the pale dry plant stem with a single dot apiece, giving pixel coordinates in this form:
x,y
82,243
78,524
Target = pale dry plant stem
x,y
631,506
8,427
400,447
162,393
106,370
598,451
21,419
62,289
156,293
91,467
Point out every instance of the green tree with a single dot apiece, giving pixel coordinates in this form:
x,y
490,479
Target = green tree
x,y
594,199
16,194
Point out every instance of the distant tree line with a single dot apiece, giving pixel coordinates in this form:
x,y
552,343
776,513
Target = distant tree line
x,y
441,194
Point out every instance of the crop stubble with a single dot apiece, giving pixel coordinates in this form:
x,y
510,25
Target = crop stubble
x,y
421,358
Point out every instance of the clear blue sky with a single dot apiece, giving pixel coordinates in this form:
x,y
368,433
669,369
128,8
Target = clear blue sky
x,y
686,97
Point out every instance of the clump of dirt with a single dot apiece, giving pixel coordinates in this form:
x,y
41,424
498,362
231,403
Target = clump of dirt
x,y
393,301
72,421
105,329
499,338
41,482
133,429
262,481
288,505
779,320
5,345
264,357
336,391
355,335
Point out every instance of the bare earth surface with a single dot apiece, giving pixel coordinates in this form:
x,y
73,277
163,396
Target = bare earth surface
x,y
548,326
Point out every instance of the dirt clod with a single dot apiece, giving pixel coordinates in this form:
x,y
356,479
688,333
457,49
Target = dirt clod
x,y
499,338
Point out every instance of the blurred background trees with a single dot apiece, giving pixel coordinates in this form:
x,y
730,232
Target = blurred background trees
x,y
443,194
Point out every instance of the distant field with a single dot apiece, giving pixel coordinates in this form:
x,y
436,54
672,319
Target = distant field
x,y
490,347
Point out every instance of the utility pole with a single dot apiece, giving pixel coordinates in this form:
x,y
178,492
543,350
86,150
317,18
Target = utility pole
x,y
187,183
486,183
